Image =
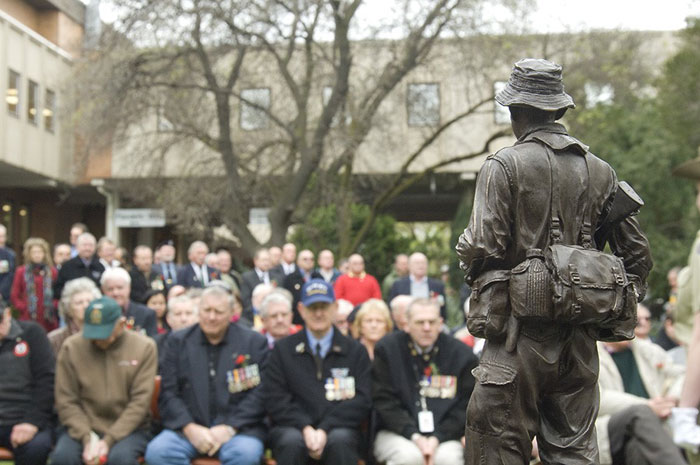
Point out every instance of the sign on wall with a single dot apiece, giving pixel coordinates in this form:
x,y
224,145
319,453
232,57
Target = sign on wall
x,y
139,217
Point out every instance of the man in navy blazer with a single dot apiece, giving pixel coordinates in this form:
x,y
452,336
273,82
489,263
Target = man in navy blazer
x,y
418,284
116,284
165,266
210,401
260,274
196,273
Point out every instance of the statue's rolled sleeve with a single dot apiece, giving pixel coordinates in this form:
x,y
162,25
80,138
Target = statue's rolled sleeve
x,y
628,242
483,243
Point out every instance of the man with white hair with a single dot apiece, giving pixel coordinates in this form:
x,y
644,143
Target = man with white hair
x,y
254,312
182,312
85,264
418,284
116,284
398,306
197,273
106,251
276,315
341,321
210,401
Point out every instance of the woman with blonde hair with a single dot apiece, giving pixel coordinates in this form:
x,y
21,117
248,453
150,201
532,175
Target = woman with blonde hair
x,y
32,287
75,298
372,322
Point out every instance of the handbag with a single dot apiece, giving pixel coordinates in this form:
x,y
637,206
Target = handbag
x,y
574,284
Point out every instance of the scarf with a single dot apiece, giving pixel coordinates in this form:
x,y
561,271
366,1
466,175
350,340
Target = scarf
x,y
32,300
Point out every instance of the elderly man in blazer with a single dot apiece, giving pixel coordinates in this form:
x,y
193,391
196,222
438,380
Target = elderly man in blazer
x,y
197,273
418,284
210,401
260,274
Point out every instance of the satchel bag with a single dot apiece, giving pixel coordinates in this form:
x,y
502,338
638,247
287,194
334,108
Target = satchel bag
x,y
574,284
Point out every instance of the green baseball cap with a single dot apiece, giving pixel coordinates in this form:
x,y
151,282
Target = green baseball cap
x,y
100,317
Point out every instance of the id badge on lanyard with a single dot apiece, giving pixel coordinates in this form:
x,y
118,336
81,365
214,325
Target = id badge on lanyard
x,y
426,422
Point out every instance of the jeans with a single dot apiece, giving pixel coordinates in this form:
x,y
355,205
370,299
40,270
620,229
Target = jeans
x,y
171,448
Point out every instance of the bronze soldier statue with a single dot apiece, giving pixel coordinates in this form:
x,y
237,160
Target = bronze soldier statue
x,y
543,290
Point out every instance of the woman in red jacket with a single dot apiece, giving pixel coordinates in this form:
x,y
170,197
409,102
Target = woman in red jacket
x,y
32,288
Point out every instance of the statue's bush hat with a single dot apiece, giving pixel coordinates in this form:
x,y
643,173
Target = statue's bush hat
x,y
689,169
536,83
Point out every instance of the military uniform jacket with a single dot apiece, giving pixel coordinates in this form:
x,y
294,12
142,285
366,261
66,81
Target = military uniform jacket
x,y
141,318
295,397
184,396
511,211
141,284
396,372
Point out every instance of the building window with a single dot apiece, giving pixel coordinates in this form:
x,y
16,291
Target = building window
x,y
12,97
49,110
501,114
255,104
423,104
33,102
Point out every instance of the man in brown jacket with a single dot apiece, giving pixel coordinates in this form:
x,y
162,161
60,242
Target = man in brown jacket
x,y
104,384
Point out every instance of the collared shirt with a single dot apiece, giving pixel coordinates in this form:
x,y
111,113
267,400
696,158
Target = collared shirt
x,y
288,268
270,340
201,272
264,276
169,272
327,275
419,288
325,341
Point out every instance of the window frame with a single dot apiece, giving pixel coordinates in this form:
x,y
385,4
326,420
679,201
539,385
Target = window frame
x,y
244,107
49,121
18,87
425,123
33,91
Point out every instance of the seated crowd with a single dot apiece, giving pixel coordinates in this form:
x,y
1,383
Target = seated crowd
x,y
308,362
